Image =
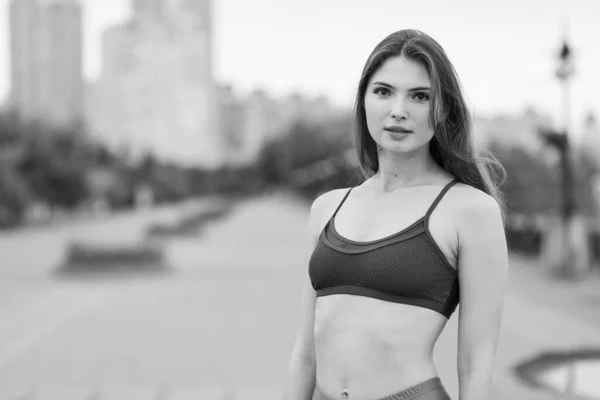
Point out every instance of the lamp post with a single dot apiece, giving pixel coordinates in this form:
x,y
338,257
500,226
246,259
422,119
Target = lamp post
x,y
575,256
565,259
564,73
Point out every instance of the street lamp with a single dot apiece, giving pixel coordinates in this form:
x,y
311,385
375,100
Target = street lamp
x,y
559,139
564,73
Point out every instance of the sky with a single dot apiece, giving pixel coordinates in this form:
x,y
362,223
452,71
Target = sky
x,y
505,52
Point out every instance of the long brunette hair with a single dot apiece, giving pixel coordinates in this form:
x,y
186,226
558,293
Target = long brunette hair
x,y
452,144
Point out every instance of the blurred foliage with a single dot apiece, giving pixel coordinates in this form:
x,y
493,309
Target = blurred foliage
x,y
168,182
304,145
39,164
15,196
308,142
52,165
533,187
533,184
64,169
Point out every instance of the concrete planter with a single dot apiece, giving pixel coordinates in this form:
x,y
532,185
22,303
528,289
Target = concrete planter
x,y
95,257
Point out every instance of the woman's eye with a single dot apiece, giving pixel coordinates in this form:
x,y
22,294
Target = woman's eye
x,y
382,91
422,96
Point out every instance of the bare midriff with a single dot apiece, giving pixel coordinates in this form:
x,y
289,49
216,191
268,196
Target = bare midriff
x,y
368,348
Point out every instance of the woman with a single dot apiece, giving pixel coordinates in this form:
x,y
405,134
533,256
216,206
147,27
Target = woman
x,y
387,257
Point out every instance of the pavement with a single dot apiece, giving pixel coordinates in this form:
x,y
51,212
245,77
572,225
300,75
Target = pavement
x,y
221,324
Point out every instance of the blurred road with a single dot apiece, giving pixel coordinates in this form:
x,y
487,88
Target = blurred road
x,y
222,324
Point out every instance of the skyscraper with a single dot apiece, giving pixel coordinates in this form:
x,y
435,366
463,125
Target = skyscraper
x,y
46,61
156,92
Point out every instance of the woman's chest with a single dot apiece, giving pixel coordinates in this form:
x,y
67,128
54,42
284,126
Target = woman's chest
x,y
363,221
385,223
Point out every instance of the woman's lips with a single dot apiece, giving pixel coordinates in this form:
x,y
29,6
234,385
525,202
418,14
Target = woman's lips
x,y
398,131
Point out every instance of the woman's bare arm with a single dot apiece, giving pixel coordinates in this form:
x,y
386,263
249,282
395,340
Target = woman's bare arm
x,y
483,270
302,369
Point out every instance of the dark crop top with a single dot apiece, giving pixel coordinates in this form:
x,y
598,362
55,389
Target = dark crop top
x,y
407,267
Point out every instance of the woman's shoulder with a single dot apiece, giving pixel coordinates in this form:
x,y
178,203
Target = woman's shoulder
x,y
328,200
323,207
473,208
467,198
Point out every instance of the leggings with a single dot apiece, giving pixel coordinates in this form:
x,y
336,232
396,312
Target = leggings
x,y
431,389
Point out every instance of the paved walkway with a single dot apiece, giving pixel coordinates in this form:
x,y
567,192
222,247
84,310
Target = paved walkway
x,y
221,325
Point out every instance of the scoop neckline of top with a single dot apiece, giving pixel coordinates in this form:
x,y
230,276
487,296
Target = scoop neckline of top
x,y
341,237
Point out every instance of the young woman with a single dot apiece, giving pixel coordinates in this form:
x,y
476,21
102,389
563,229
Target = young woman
x,y
390,259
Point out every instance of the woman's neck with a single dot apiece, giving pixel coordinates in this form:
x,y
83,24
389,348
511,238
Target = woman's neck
x,y
399,171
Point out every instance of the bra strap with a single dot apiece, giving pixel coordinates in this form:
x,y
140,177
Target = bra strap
x,y
342,202
438,198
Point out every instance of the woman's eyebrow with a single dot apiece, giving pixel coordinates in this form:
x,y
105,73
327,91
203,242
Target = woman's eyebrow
x,y
410,90
383,84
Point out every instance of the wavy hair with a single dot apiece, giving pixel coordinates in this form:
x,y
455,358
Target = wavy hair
x,y
452,144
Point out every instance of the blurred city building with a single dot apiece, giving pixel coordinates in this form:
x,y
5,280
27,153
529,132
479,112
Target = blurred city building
x,y
46,61
590,143
268,118
231,126
512,131
156,93
590,138
264,120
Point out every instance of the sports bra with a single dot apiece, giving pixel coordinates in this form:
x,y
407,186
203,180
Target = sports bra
x,y
406,267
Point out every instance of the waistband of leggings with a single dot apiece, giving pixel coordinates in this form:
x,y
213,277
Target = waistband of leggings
x,y
417,390
406,394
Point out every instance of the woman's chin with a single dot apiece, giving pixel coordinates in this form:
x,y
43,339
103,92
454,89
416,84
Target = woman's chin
x,y
401,146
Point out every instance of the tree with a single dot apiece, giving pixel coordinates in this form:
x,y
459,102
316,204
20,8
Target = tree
x,y
54,166
15,196
531,186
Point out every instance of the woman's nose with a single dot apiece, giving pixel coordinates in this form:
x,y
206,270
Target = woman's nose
x,y
398,110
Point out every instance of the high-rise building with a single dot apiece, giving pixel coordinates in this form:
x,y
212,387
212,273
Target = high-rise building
x,y
46,61
156,92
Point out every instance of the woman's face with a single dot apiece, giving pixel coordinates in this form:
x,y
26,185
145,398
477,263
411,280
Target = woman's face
x,y
397,106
